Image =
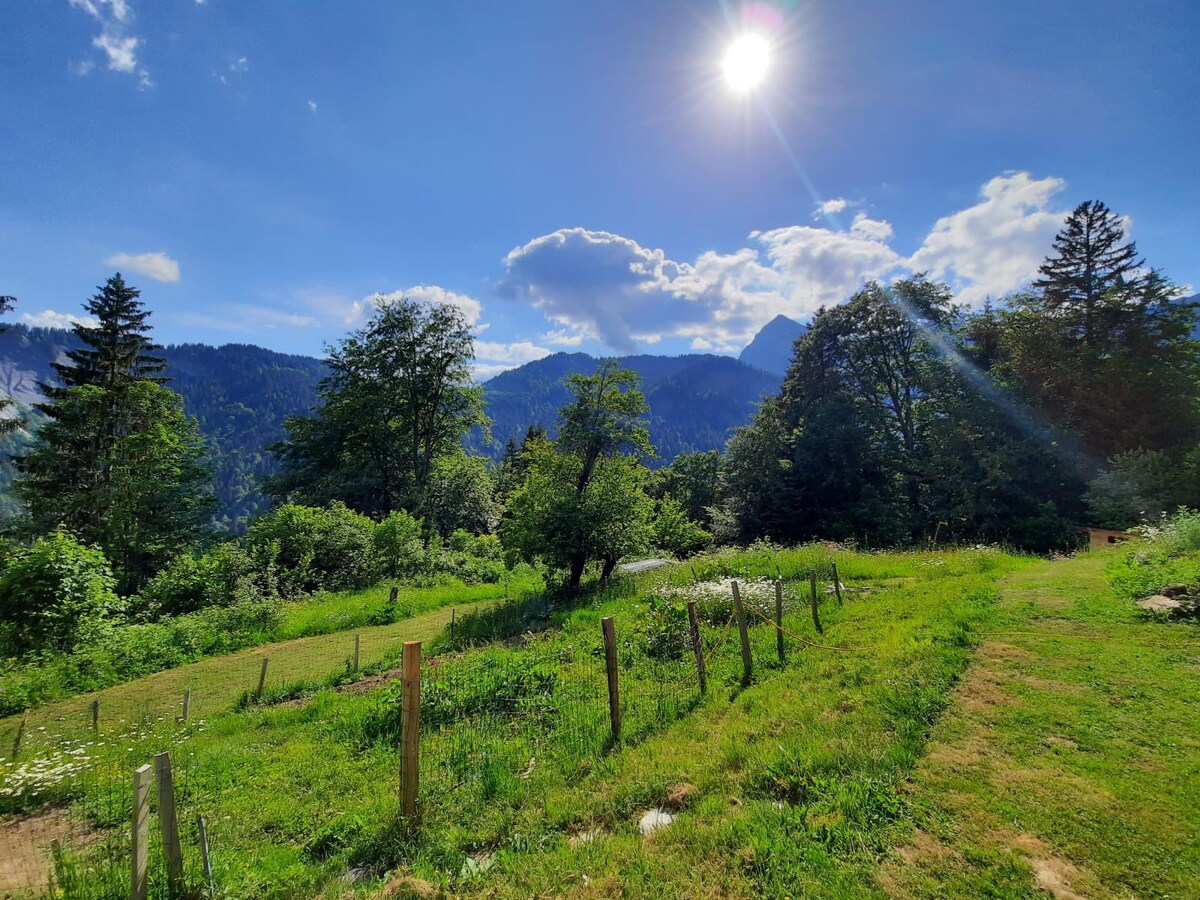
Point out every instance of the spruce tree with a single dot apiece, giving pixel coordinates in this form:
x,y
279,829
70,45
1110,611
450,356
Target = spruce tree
x,y
116,351
1090,260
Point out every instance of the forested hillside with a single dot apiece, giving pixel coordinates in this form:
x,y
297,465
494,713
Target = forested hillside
x,y
696,401
239,393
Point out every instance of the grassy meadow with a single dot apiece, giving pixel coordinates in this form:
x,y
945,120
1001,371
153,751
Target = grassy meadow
x,y
969,723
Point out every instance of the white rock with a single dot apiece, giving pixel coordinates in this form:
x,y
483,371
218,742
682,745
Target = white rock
x,y
655,819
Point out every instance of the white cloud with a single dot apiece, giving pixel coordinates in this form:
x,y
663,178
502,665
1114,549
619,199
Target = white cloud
x,y
832,206
995,246
561,337
241,64
115,39
83,68
608,287
515,353
121,51
48,318
158,266
312,105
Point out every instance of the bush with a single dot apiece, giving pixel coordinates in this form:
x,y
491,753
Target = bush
x,y
55,594
223,576
674,532
314,548
1161,555
398,546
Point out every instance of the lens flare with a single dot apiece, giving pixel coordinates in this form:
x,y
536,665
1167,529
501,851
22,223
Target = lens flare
x,y
746,62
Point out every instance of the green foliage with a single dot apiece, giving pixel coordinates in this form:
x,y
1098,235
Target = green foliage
x,y
674,532
398,397
550,520
54,594
461,494
397,543
314,548
124,469
1162,554
222,576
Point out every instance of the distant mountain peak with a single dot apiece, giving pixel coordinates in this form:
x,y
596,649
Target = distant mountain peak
x,y
771,349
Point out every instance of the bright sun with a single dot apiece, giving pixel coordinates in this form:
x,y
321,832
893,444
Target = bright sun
x,y
746,61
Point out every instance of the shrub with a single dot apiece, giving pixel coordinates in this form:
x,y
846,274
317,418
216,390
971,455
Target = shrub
x,y
398,546
55,594
674,532
223,576
314,548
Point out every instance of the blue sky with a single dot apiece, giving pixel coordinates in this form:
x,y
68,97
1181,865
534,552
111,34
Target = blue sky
x,y
574,175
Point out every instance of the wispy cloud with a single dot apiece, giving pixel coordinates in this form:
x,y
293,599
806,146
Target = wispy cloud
x,y
116,39
247,318
158,266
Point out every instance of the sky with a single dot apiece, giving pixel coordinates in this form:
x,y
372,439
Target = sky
x,y
575,176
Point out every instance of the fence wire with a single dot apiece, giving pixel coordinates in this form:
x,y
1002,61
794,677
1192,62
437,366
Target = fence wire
x,y
493,720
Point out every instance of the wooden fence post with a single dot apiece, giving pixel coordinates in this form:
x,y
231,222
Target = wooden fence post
x,y
610,666
95,715
357,645
262,680
812,581
168,823
393,594
139,836
837,584
747,659
779,618
20,734
452,610
187,705
697,647
410,728
202,829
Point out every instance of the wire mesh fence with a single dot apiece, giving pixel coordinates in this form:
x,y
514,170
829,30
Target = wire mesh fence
x,y
505,708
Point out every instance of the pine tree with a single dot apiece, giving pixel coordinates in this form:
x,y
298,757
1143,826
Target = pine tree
x,y
116,351
1090,261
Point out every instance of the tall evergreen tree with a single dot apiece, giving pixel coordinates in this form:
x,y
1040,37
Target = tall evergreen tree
x,y
116,351
1091,259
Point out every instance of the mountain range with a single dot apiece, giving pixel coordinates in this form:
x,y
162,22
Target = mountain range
x,y
241,394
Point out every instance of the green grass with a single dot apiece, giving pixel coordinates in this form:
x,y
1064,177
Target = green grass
x,y
1070,756
999,723
133,651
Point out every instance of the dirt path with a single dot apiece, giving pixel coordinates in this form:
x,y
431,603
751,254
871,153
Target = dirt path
x,y
216,683
1067,764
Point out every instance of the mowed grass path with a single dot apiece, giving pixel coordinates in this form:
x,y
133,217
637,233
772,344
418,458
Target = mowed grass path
x,y
1069,761
217,683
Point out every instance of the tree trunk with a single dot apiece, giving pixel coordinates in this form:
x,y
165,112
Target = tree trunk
x,y
578,561
610,563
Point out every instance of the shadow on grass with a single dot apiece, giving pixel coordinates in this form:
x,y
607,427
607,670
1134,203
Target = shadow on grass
x,y
527,614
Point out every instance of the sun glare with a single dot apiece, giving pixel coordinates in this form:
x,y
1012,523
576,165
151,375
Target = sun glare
x,y
746,62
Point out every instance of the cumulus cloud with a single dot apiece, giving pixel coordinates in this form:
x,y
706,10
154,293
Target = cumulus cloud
x,y
832,206
158,266
608,287
48,318
996,245
515,353
115,39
